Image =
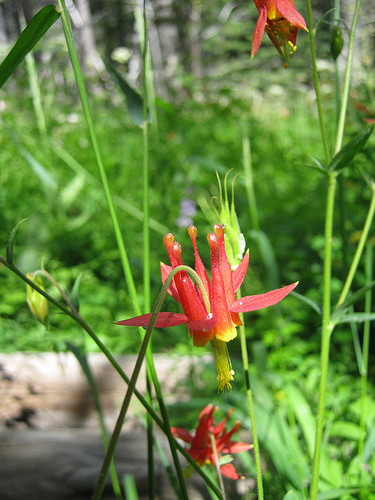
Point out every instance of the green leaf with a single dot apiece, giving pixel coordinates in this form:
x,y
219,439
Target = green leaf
x,y
356,317
10,244
38,168
314,305
304,415
75,293
347,153
369,447
336,493
346,430
292,495
133,99
355,297
130,488
33,32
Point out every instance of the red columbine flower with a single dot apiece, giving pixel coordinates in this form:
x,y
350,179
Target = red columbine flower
x,y
200,444
281,21
210,312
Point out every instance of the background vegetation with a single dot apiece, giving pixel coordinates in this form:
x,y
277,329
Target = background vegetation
x,y
205,105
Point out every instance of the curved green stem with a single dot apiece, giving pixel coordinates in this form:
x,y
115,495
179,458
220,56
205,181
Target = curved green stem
x,y
316,83
327,328
129,393
78,319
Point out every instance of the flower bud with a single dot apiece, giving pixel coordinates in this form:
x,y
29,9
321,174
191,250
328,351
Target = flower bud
x,y
337,42
37,303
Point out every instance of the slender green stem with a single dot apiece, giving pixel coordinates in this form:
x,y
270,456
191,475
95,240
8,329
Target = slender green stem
x,y
83,361
247,164
129,393
345,93
78,319
90,125
217,465
365,348
327,328
359,251
245,362
146,260
316,82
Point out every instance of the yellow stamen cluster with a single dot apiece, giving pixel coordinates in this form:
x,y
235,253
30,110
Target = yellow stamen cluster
x,y
280,30
223,364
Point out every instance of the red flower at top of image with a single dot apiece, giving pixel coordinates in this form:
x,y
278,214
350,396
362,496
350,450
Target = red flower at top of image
x,y
281,21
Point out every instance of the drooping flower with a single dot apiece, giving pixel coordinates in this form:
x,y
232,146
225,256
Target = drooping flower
x,y
281,21
210,309
200,443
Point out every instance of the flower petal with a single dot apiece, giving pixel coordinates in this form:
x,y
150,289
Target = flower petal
x,y
183,434
172,290
229,470
255,302
164,320
240,272
288,11
204,324
259,30
236,447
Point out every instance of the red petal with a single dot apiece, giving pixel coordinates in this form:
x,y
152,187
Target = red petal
x,y
164,320
172,290
236,447
255,302
289,12
182,434
259,30
229,470
204,324
239,273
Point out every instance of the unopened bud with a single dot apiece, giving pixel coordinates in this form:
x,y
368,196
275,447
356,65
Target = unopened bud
x,y
37,303
337,42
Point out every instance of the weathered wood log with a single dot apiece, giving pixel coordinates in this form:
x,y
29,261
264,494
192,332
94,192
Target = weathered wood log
x,y
65,464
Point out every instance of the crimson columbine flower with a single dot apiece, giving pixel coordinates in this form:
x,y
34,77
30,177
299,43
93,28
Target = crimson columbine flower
x,y
281,21
210,312
200,444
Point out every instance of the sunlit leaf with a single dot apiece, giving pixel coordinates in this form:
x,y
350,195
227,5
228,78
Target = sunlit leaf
x,y
347,153
10,243
133,100
33,32
75,293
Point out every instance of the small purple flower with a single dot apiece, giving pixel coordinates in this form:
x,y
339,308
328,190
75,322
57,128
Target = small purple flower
x,y
187,212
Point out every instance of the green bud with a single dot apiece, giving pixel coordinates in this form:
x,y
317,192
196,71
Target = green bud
x,y
38,304
337,42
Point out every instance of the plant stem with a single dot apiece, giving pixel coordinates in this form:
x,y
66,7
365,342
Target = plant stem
x,y
360,247
90,125
327,328
129,393
316,82
247,164
365,348
345,93
245,362
78,319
